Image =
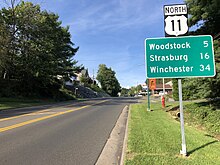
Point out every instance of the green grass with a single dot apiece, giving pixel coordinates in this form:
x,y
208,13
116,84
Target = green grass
x,y
8,103
154,138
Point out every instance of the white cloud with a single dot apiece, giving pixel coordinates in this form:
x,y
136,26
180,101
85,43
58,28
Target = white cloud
x,y
115,15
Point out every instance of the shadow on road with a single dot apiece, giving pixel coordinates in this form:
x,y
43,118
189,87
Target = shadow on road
x,y
66,105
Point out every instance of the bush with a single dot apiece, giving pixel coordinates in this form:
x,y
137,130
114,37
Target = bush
x,y
204,114
9,88
36,88
96,88
64,94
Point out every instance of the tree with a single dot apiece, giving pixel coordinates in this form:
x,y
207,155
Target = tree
x,y
4,42
39,48
132,91
8,20
124,92
109,83
206,15
85,80
139,88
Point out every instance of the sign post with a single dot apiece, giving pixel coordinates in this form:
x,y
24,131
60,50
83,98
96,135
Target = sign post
x,y
175,20
183,151
148,95
180,57
152,85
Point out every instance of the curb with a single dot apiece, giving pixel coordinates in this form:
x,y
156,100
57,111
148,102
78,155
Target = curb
x,y
123,154
113,150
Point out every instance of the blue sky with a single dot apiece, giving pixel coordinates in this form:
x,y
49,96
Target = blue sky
x,y
112,32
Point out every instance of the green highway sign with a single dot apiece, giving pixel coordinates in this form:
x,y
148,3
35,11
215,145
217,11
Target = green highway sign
x,y
180,57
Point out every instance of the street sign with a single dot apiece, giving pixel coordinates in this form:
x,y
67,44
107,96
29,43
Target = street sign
x,y
175,20
175,24
180,57
152,84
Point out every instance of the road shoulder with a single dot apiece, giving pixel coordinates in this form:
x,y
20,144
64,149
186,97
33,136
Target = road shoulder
x,y
112,152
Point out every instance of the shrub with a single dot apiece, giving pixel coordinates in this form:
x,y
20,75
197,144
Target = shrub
x,y
205,115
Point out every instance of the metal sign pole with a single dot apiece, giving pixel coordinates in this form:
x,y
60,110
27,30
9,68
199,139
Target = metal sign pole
x,y
175,24
176,30
163,87
183,151
148,96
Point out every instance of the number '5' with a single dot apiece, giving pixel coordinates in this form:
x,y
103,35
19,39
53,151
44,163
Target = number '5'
x,y
206,44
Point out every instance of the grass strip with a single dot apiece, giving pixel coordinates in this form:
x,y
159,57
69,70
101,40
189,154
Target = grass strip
x,y
9,103
155,138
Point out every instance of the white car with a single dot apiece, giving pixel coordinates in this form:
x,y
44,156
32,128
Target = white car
x,y
161,93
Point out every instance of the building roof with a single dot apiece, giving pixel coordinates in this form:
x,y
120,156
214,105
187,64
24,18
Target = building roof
x,y
160,86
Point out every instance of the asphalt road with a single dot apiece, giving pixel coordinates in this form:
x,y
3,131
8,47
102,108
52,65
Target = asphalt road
x,y
70,134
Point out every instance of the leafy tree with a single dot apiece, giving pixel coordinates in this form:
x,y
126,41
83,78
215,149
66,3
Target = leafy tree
x,y
4,42
217,51
86,80
39,49
139,88
175,91
206,15
132,91
109,83
124,92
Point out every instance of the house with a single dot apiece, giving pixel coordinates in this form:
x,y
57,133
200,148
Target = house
x,y
83,72
71,81
159,87
76,77
83,78
168,88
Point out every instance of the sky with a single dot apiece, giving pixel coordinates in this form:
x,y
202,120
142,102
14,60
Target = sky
x,y
111,32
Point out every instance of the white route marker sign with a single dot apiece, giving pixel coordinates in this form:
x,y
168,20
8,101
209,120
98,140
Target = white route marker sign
x,y
175,20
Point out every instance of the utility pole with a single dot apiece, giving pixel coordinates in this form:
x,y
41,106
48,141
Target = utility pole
x,y
93,77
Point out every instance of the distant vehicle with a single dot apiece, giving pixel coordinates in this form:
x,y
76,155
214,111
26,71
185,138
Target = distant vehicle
x,y
161,93
138,95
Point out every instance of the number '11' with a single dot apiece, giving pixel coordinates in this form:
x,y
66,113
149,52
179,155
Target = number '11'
x,y
178,25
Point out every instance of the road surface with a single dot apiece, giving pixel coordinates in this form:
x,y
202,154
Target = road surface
x,y
70,134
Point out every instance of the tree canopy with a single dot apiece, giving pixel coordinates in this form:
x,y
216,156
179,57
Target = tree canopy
x,y
206,15
34,49
109,83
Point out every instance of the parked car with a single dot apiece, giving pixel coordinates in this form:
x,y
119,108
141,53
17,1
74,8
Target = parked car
x,y
138,95
161,93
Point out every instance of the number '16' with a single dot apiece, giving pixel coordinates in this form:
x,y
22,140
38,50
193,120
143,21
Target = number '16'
x,y
204,56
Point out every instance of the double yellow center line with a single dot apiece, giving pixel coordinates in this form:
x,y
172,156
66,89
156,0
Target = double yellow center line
x,y
42,118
